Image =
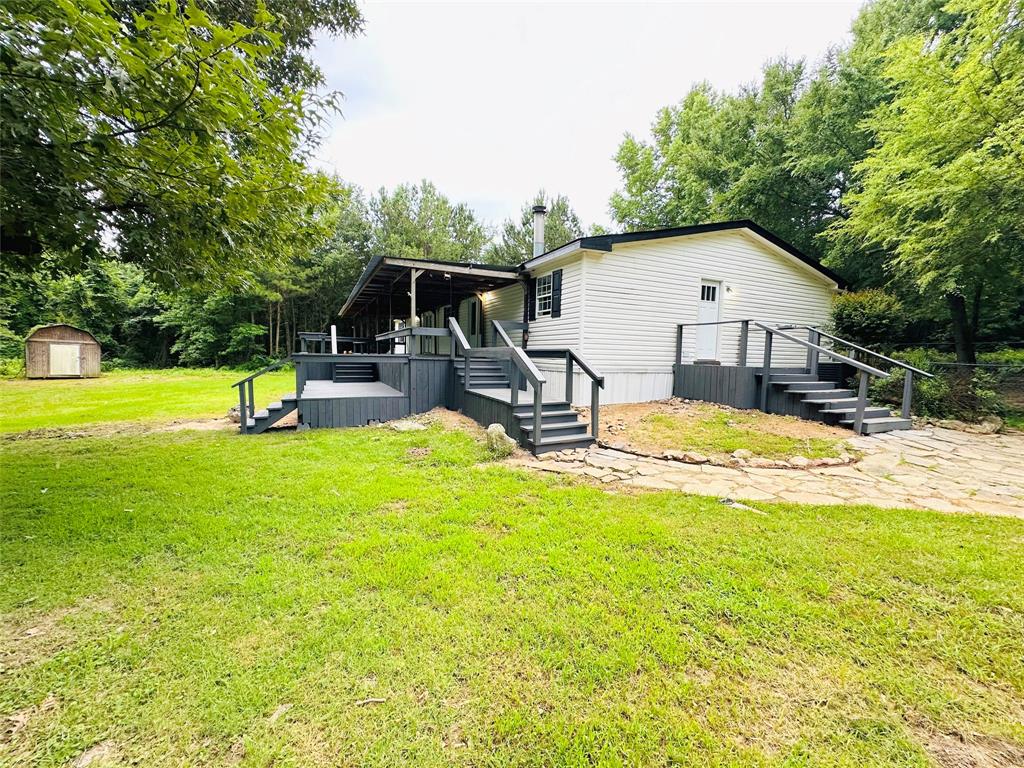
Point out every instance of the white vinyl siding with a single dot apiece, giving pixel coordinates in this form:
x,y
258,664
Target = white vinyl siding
x,y
503,304
564,330
637,295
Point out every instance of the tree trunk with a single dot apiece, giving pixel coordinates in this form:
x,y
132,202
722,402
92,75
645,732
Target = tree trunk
x,y
963,336
270,328
277,336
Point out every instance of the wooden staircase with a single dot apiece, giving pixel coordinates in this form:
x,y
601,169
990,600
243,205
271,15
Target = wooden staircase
x,y
833,404
484,374
561,428
263,420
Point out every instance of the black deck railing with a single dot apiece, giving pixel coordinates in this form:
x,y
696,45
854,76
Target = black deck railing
x,y
814,349
246,398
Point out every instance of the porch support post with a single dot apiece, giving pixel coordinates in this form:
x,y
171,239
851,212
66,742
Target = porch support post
x,y
744,335
413,323
766,370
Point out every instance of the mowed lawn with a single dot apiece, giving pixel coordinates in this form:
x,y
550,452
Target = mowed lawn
x,y
364,597
145,396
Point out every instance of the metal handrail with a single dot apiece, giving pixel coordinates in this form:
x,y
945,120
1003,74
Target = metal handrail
x,y
865,350
824,350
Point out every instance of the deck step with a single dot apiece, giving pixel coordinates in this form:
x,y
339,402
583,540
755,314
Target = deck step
x,y
527,408
562,443
882,424
559,428
526,419
823,395
808,386
782,377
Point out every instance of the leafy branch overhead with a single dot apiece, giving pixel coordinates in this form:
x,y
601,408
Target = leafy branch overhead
x,y
154,132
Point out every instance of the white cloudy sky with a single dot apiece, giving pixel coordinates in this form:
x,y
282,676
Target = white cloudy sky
x,y
492,101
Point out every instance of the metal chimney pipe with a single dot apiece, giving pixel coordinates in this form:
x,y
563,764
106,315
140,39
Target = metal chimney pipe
x,y
540,214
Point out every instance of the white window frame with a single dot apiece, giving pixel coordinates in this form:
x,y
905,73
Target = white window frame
x,y
544,291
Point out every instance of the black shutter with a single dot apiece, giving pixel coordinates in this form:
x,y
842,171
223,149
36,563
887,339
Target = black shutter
x,y
556,293
531,298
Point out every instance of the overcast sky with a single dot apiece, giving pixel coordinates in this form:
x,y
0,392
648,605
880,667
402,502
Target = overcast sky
x,y
493,101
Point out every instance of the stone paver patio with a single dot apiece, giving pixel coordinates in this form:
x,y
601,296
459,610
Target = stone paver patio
x,y
938,469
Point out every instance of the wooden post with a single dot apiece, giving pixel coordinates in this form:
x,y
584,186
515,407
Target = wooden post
x,y
908,393
252,400
766,370
744,335
412,345
862,400
812,354
538,406
568,377
594,398
243,412
679,345
513,382
465,381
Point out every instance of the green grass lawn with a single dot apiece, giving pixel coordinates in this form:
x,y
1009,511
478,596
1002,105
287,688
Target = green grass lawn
x,y
709,429
147,396
363,597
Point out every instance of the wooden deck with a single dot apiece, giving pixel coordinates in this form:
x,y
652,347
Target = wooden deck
x,y
320,389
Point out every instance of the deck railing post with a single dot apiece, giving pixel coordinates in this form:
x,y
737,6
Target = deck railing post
x,y
594,423
243,412
538,406
465,381
812,354
568,377
679,345
252,400
908,393
514,384
862,400
744,335
766,370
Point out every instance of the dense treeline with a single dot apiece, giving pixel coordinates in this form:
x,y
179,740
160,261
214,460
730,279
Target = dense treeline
x,y
160,194
899,161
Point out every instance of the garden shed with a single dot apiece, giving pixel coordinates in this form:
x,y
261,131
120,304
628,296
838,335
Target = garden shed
x,y
61,351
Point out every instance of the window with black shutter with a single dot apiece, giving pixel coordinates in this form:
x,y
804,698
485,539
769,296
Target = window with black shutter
x,y
556,293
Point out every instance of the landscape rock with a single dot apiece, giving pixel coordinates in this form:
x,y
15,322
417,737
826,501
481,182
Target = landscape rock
x,y
693,457
233,414
800,462
406,425
742,453
499,443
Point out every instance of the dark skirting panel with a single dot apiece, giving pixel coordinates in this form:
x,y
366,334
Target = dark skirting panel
x,y
352,411
728,385
486,411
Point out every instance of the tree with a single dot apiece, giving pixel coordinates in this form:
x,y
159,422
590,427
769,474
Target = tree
x,y
417,221
943,189
516,244
157,140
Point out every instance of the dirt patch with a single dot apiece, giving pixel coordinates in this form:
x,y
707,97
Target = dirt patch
x,y
452,420
418,453
120,428
958,751
31,638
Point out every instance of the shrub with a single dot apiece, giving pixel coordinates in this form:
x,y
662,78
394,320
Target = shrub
x,y
952,394
869,317
10,367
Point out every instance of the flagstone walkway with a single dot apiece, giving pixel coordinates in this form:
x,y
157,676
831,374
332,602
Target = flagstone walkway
x,y
937,469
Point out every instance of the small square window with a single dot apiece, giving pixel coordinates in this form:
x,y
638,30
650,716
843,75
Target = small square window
x,y
544,296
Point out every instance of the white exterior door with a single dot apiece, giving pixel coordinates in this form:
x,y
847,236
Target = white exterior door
x,y
707,312
65,360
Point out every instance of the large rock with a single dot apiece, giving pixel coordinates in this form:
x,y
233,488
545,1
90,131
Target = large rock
x,y
498,442
233,414
742,453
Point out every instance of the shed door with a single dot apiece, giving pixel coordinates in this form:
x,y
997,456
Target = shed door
x,y
707,312
65,359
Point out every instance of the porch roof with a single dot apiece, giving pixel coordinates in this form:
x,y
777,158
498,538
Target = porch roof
x,y
387,278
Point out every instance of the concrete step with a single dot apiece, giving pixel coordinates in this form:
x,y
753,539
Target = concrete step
x,y
883,424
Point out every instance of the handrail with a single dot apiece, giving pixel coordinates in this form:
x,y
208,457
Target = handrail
x,y
457,334
559,351
268,369
401,333
865,350
824,350
502,334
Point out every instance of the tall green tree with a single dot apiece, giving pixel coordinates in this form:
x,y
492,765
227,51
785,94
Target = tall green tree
x,y
516,242
159,141
417,221
943,187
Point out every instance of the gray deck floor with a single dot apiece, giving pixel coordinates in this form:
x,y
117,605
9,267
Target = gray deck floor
x,y
504,394
317,389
